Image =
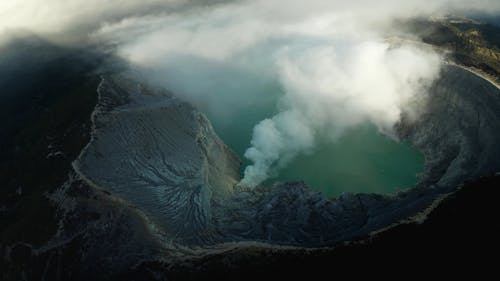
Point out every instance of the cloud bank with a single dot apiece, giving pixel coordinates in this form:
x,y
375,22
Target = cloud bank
x,y
332,59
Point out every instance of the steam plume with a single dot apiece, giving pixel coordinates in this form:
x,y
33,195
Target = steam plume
x,y
332,58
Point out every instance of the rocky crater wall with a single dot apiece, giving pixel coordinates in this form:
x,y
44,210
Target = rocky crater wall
x,y
162,155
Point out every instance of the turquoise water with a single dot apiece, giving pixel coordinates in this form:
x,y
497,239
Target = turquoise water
x,y
362,160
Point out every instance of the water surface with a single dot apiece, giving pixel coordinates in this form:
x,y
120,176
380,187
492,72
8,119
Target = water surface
x,y
362,160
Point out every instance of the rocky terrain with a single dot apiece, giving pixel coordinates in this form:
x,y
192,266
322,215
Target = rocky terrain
x,y
144,188
458,237
456,132
160,154
166,160
470,43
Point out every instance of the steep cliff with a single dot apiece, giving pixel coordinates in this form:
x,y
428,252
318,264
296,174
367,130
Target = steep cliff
x,y
457,130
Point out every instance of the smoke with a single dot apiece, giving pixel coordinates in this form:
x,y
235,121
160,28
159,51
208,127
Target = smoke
x,y
329,91
333,61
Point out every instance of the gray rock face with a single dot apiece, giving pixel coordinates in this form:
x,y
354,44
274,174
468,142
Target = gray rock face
x,y
458,132
293,214
162,155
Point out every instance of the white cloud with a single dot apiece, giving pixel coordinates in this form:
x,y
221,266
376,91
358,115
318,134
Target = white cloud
x,y
330,57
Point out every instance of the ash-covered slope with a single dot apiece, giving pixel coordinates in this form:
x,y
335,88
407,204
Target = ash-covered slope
x,y
154,187
162,155
458,132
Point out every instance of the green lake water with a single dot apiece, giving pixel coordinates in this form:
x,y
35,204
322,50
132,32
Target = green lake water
x,y
362,160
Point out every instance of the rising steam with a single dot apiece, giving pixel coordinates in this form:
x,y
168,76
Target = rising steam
x,y
328,91
336,70
333,59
